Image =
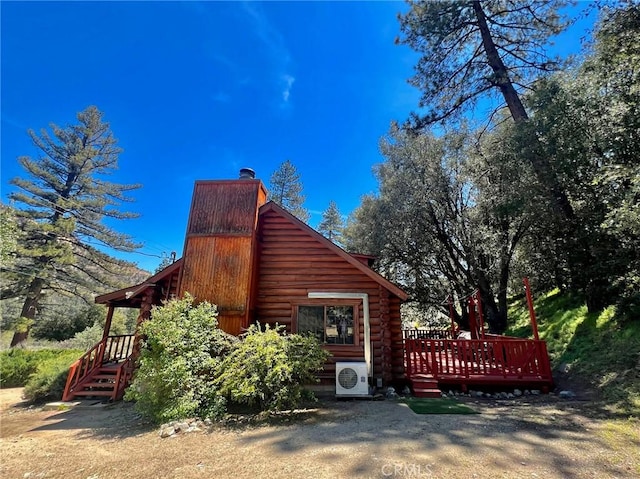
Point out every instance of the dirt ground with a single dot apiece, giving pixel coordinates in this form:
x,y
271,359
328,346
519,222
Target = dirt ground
x,y
541,436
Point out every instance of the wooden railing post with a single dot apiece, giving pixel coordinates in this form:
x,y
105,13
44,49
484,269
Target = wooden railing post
x,y
73,369
101,349
116,385
532,312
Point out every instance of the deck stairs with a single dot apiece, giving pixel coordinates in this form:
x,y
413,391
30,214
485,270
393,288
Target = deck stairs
x,y
425,386
101,383
102,372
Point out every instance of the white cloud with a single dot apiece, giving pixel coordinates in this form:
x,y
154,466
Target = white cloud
x,y
275,47
267,33
288,81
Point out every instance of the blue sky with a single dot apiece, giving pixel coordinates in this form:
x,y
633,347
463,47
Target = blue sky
x,y
197,90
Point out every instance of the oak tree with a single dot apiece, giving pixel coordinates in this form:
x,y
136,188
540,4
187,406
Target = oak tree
x,y
448,217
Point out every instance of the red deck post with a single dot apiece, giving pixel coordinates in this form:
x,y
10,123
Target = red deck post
x,y
473,326
532,313
451,316
105,333
478,298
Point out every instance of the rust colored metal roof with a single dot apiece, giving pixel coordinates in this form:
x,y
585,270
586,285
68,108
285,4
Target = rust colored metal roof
x,y
129,296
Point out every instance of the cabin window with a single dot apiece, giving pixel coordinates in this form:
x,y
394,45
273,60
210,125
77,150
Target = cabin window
x,y
330,324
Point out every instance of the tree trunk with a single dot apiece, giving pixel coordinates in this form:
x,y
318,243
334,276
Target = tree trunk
x,y
29,310
501,326
462,318
502,80
495,317
539,162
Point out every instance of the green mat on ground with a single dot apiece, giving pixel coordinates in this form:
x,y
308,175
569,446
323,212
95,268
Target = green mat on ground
x,y
437,406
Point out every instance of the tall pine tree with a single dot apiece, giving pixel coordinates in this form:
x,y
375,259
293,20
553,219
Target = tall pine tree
x,y
472,49
286,189
332,225
60,208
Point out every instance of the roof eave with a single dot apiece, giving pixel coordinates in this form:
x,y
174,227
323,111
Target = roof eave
x,y
130,292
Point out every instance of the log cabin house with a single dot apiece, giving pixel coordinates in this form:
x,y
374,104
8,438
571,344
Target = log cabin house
x,y
259,263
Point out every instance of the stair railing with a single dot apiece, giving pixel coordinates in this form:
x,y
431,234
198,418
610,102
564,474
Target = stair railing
x,y
110,349
123,377
118,348
83,367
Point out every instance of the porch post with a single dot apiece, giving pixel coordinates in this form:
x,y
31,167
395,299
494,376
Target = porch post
x,y
143,315
107,323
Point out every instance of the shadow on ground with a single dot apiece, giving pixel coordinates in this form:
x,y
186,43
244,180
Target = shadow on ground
x,y
395,437
540,435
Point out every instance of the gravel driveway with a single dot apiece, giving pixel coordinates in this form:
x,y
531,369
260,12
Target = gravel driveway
x,y
534,437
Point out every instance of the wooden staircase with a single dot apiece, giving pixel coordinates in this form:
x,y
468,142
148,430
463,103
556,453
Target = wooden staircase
x,y
425,386
102,383
103,371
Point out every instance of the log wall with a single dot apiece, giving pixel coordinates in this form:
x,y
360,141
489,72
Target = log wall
x,y
292,263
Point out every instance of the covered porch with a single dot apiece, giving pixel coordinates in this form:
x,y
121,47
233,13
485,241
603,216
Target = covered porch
x,y
106,369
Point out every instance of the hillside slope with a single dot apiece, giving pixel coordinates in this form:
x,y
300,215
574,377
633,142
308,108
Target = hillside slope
x,y
597,353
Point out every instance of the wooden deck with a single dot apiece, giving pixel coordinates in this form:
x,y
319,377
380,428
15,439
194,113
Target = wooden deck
x,y
494,361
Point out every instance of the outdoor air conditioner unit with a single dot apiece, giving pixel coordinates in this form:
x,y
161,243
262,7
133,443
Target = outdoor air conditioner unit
x,y
351,379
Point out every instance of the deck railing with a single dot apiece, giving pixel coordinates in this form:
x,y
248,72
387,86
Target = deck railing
x,y
123,377
117,348
111,349
508,358
427,333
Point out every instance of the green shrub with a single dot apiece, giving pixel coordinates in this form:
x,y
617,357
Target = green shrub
x,y
87,338
16,365
182,348
269,368
50,377
62,324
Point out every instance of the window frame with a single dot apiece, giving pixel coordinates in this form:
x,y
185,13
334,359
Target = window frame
x,y
355,304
